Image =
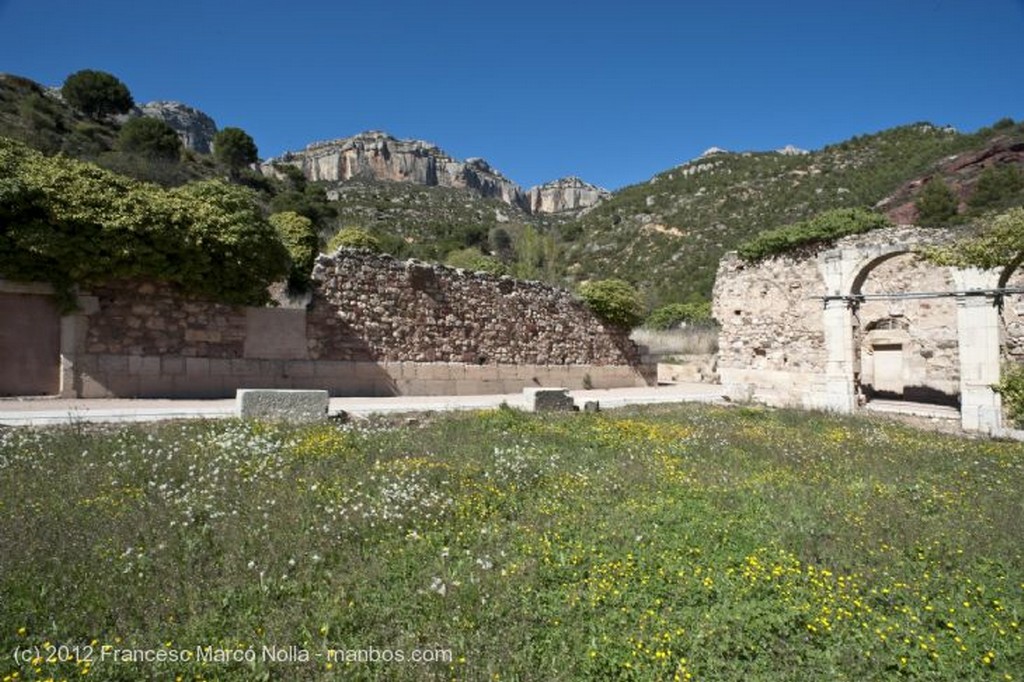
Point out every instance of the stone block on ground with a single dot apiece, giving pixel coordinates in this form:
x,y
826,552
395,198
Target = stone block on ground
x,y
548,399
285,405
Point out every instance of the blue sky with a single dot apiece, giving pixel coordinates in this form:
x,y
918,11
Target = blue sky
x,y
611,91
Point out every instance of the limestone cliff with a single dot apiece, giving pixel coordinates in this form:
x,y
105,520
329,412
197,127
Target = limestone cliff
x,y
379,156
195,128
375,155
565,195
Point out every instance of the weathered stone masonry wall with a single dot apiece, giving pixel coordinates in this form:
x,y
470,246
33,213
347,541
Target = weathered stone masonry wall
x,y
374,326
369,307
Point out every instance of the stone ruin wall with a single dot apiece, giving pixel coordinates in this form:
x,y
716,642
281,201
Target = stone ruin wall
x,y
772,344
374,326
154,319
373,307
768,320
1012,319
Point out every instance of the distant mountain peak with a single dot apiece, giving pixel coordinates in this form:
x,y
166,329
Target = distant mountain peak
x,y
790,150
712,151
568,194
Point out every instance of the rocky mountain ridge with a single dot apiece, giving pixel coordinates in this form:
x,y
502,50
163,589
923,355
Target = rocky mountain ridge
x,y
377,156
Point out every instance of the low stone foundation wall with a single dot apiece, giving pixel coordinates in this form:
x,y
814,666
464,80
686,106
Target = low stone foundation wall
x,y
778,388
107,376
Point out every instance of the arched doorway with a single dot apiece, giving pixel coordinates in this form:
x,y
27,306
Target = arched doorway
x,y
905,331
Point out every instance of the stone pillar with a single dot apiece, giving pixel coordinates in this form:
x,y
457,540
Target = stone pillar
x,y
68,353
839,356
977,321
72,345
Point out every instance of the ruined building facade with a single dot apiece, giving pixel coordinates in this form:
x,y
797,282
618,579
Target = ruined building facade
x,y
868,318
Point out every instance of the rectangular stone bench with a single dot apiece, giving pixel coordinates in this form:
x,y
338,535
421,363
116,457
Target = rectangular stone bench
x,y
539,399
281,404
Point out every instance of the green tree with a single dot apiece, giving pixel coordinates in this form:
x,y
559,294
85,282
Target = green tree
x,y
96,93
996,185
499,242
299,237
536,255
614,301
151,138
937,204
353,238
234,149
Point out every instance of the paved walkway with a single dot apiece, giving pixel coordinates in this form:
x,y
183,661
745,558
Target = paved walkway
x,y
44,411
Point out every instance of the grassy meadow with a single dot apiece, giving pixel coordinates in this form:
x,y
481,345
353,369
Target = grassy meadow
x,y
669,543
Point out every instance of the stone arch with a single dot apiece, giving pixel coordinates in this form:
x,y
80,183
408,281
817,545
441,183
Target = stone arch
x,y
867,265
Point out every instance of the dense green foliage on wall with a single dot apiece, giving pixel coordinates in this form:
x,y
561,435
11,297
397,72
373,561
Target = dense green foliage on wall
x,y
70,222
613,301
998,241
1011,390
822,229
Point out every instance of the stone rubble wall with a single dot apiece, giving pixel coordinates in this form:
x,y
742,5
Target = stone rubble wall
x,y
373,307
1012,319
146,318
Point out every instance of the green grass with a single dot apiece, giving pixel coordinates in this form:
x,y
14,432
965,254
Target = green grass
x,y
676,542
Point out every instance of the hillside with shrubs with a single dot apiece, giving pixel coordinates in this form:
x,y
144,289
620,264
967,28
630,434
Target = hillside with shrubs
x,y
664,237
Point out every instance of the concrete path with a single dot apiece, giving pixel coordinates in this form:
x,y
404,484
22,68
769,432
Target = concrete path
x,y
44,411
